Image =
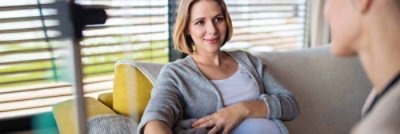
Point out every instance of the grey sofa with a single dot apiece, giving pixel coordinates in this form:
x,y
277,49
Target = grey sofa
x,y
330,90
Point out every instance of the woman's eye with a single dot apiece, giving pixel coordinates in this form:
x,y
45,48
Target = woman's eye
x,y
219,19
199,23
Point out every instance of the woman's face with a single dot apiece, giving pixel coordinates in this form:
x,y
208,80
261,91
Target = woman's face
x,y
207,26
344,24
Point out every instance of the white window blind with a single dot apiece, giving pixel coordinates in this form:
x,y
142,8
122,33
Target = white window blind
x,y
135,30
267,25
29,82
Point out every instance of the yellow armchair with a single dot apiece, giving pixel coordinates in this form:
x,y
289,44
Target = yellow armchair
x,y
133,82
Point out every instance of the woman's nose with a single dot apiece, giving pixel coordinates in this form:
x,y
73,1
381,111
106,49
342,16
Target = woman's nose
x,y
211,28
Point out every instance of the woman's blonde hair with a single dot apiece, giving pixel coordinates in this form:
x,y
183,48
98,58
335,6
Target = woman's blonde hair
x,y
182,41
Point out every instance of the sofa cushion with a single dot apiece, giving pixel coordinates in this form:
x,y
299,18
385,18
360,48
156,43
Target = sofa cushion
x,y
330,90
133,79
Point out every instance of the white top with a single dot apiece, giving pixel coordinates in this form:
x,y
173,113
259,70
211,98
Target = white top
x,y
241,87
237,88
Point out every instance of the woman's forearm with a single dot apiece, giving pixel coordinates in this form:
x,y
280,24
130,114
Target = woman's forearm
x,y
157,127
255,109
282,107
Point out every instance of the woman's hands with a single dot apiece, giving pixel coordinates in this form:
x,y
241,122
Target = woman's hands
x,y
227,118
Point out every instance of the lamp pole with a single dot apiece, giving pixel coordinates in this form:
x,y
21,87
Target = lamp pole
x,y
73,18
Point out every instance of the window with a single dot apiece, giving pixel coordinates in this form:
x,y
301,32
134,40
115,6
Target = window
x,y
30,79
27,61
267,25
135,29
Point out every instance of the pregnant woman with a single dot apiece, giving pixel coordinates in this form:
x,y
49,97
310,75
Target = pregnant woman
x,y
212,91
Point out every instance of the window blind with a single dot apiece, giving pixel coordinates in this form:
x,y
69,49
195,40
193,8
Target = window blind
x,y
135,30
29,82
267,25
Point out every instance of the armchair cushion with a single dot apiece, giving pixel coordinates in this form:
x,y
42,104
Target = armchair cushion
x,y
133,79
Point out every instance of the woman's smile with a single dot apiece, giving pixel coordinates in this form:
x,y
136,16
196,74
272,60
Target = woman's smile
x,y
212,41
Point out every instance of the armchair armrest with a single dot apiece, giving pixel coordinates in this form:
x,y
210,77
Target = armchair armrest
x,y
64,113
106,99
133,82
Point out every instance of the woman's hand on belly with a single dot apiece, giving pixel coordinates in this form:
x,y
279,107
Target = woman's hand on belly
x,y
226,118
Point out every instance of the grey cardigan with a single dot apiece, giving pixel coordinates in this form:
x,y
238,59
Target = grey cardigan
x,y
183,93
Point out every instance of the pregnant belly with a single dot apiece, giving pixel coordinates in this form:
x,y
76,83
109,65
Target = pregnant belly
x,y
256,126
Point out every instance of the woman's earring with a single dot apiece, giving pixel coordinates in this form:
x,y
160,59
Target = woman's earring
x,y
194,48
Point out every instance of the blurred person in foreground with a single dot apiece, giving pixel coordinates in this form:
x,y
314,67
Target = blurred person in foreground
x,y
370,29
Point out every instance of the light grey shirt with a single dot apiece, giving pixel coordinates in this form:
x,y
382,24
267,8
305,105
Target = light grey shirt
x,y
384,118
182,94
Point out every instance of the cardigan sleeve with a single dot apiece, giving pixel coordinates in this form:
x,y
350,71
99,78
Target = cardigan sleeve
x,y
280,102
165,103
